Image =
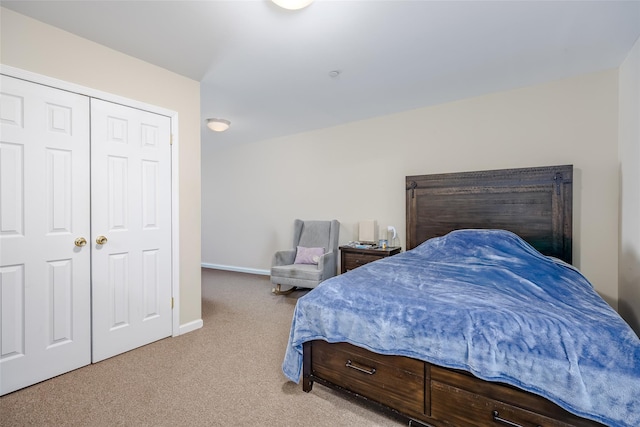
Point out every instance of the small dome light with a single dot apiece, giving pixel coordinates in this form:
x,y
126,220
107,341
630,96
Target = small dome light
x,y
218,125
293,4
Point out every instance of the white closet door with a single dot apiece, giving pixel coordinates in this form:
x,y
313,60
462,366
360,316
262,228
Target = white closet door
x,y
131,209
44,207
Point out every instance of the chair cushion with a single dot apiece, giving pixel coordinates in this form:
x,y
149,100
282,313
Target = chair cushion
x,y
308,255
297,271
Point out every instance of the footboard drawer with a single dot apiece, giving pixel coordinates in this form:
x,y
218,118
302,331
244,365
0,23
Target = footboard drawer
x,y
460,407
394,381
459,398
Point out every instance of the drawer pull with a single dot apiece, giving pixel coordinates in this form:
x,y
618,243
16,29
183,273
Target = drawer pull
x,y
498,419
366,370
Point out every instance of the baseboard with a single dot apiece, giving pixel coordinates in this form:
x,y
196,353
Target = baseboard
x,y
236,269
191,326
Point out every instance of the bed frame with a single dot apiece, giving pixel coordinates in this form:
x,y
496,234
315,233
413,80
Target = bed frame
x,y
536,204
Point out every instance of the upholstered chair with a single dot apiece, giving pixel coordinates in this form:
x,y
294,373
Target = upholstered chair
x,y
313,258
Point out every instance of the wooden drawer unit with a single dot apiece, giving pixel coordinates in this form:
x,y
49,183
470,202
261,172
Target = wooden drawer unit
x,y
463,408
351,258
474,403
395,381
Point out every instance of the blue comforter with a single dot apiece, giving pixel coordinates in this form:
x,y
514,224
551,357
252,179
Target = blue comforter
x,y
486,302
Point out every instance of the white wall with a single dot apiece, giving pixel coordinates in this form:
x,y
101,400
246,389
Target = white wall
x,y
252,193
629,290
33,46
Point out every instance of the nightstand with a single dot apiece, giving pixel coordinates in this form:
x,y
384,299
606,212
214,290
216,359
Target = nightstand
x,y
351,257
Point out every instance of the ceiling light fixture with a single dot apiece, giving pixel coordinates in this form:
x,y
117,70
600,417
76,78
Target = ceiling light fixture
x,y
293,4
218,125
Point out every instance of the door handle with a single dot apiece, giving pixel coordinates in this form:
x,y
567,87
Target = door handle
x,y
101,240
80,242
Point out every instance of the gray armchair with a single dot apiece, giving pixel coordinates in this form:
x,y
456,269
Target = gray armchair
x,y
307,234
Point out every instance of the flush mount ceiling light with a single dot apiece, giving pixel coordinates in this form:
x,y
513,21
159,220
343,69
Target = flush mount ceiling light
x,y
218,125
293,4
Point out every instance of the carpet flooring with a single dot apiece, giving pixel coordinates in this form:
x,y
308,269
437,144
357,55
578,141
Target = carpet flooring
x,y
228,373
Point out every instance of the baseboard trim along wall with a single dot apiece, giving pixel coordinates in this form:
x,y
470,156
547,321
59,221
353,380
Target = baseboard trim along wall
x,y
236,269
191,326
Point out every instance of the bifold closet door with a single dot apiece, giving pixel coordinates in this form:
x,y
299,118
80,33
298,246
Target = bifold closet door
x,y
131,228
44,224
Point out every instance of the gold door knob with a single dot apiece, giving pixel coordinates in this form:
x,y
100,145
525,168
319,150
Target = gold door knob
x,y
80,242
101,240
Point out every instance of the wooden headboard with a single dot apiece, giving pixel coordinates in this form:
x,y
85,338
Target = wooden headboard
x,y
535,203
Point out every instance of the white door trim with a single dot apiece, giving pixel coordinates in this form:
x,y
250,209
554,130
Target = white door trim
x,y
173,115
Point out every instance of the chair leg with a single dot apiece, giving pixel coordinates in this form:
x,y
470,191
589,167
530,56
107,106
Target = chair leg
x,y
278,291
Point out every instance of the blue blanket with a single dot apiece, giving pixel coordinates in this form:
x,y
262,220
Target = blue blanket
x,y
486,302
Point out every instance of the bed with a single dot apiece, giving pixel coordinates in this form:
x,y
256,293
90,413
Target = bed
x,y
482,321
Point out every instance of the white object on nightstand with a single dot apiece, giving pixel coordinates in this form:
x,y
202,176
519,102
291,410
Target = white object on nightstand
x,y
368,231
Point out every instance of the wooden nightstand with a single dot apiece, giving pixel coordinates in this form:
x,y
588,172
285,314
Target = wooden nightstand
x,y
351,258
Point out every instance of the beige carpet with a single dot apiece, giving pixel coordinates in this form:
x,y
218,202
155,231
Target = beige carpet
x,y
227,373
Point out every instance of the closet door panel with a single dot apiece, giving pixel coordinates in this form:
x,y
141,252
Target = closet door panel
x,y
44,207
131,208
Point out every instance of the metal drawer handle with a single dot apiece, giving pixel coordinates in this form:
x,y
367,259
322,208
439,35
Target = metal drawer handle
x,y
366,370
497,418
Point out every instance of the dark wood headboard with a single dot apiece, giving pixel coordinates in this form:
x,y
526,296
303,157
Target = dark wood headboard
x,y
535,203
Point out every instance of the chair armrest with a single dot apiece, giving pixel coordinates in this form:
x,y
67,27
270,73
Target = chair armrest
x,y
328,264
283,257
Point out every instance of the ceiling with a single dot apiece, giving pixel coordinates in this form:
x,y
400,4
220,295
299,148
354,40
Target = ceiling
x,y
268,70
